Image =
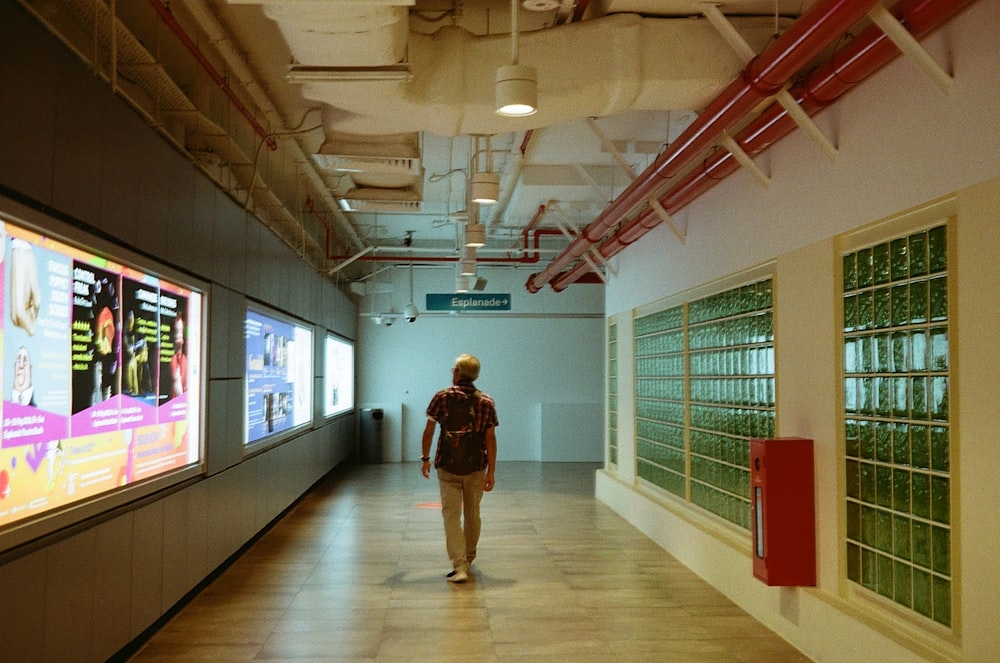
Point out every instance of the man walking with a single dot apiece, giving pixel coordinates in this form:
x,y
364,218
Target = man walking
x,y
465,459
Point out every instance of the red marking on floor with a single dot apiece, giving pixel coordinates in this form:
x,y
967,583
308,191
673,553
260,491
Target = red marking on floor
x,y
429,505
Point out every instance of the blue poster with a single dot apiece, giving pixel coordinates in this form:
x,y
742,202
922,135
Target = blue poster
x,y
278,375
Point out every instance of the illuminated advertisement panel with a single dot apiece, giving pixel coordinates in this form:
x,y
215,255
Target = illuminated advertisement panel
x,y
279,374
338,376
101,374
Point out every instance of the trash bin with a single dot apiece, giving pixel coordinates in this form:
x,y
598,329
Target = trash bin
x,y
371,434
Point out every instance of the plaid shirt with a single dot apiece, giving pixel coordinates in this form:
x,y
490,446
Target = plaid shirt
x,y
486,410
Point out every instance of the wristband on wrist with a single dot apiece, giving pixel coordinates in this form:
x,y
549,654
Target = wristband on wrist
x,y
426,459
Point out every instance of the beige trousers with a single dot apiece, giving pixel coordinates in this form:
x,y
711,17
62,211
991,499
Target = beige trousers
x,y
460,497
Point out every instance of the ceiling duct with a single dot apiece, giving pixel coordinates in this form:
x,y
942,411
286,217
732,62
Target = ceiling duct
x,y
373,172
594,68
386,172
347,163
361,33
386,201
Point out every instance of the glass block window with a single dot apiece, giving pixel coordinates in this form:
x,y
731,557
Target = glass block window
x,y
704,387
660,399
731,355
896,422
613,394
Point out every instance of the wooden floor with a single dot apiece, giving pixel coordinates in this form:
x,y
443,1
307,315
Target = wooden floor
x,y
356,572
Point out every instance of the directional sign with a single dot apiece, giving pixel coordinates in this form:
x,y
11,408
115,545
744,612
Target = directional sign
x,y
468,301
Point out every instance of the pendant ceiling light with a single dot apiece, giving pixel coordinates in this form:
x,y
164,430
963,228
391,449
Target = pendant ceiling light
x,y
475,234
411,311
467,265
484,186
516,84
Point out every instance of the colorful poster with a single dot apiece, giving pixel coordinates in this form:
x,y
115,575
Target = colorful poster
x,y
140,345
279,375
96,349
35,340
338,376
57,473
80,345
174,365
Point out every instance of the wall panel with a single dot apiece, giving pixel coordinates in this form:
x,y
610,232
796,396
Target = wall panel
x,y
72,146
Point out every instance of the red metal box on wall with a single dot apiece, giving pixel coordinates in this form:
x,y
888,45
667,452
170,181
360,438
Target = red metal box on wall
x,y
783,511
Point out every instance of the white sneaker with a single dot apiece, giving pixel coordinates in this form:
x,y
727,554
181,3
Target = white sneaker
x,y
458,575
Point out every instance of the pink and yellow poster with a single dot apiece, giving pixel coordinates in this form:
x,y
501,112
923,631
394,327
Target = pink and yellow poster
x,y
85,408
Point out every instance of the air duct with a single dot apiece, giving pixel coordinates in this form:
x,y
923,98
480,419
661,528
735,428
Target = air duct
x,y
594,68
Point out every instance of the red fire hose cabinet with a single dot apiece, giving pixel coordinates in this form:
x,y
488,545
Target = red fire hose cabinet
x,y
783,511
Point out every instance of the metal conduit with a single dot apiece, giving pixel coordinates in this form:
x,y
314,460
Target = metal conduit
x,y
531,253
815,29
852,64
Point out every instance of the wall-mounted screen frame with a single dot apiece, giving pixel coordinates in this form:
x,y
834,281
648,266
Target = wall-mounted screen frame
x,y
102,384
338,375
279,375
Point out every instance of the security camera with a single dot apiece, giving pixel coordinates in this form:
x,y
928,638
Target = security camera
x,y
388,321
410,312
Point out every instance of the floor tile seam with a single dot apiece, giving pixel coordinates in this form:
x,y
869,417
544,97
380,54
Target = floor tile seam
x,y
297,594
384,645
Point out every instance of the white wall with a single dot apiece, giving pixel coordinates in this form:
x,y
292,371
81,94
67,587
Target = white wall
x,y
902,143
548,349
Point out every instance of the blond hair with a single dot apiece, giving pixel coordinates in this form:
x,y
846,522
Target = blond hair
x,y
468,366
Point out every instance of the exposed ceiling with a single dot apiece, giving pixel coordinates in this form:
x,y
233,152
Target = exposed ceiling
x,y
351,127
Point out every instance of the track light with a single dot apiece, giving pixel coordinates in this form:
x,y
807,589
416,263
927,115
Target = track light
x,y
485,188
461,283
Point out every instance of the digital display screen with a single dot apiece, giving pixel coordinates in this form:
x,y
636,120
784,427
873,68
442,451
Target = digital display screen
x,y
338,372
101,375
279,374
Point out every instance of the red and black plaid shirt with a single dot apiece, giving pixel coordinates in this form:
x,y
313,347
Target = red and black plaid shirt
x,y
486,409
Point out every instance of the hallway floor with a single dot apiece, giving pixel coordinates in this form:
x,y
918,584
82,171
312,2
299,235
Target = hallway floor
x,y
356,572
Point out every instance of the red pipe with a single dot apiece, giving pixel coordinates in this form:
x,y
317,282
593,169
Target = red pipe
x,y
579,10
863,56
819,25
527,139
167,17
531,224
